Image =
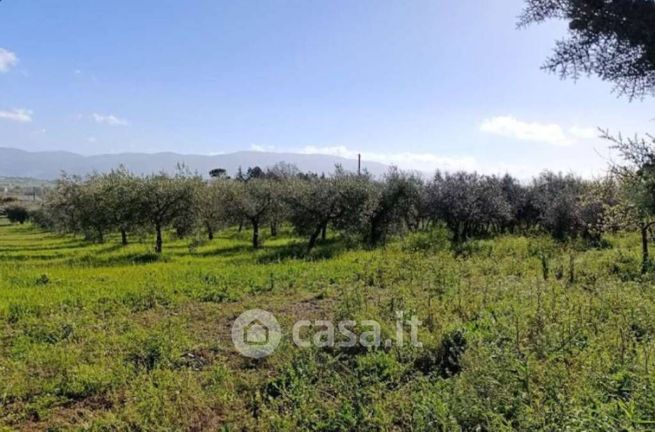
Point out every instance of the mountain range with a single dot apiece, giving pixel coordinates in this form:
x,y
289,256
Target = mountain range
x,y
49,165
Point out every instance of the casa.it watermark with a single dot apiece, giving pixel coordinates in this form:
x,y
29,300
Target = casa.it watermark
x,y
256,333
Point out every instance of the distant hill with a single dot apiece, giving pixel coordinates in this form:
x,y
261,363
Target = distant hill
x,y
49,165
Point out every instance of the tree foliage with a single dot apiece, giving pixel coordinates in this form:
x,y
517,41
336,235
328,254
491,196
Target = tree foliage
x,y
358,206
165,199
635,207
16,214
613,39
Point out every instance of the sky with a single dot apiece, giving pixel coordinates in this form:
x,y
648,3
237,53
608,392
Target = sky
x,y
423,85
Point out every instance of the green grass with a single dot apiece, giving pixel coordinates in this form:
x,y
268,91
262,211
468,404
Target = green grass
x,y
104,337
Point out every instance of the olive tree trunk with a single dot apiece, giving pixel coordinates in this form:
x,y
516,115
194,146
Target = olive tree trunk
x,y
255,233
158,241
645,259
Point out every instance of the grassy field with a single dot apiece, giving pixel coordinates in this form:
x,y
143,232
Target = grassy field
x,y
104,337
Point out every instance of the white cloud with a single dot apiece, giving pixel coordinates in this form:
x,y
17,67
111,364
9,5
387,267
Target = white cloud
x,y
7,60
109,119
427,162
511,127
552,134
18,115
260,148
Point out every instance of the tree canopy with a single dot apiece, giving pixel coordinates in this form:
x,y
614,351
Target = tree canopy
x,y
613,39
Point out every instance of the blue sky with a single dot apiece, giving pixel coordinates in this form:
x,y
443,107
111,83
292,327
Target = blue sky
x,y
422,84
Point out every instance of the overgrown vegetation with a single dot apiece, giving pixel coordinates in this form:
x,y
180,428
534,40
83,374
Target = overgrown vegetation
x,y
111,337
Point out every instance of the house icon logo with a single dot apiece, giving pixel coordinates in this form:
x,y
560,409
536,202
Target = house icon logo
x,y
256,333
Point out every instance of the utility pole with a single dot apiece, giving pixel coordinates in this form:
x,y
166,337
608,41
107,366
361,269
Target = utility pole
x,y
359,164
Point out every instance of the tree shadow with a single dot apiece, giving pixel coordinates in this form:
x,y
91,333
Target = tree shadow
x,y
224,251
136,258
325,249
64,246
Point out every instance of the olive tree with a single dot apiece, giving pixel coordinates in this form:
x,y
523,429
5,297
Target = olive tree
x,y
636,208
212,204
96,209
315,202
251,200
523,213
163,198
279,175
394,203
63,204
473,205
557,199
81,206
121,190
493,204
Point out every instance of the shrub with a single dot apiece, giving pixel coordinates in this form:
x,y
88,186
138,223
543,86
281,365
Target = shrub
x,y
16,213
434,240
446,359
42,219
